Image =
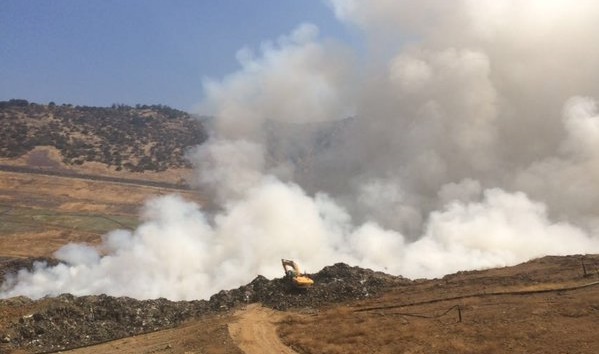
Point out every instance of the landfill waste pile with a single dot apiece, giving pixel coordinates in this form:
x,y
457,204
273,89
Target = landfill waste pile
x,y
67,321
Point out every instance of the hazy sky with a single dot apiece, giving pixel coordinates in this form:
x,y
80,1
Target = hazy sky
x,y
99,52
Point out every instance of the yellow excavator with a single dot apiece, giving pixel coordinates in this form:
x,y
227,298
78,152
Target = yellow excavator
x,y
295,276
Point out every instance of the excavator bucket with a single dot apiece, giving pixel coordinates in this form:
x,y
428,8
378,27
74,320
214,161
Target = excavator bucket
x,y
302,281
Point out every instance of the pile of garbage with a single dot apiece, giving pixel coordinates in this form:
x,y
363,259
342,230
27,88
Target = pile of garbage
x,y
333,284
67,321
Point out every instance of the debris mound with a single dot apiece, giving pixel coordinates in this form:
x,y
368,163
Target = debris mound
x,y
67,321
333,284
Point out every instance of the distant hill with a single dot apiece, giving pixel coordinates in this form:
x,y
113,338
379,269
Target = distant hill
x,y
136,139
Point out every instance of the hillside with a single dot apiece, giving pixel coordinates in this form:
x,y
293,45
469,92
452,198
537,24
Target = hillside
x,y
136,139
71,174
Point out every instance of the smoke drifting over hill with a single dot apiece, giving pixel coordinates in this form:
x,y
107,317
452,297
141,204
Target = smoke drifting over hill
x,y
475,143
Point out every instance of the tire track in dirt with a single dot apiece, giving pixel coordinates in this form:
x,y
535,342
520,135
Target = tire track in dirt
x,y
255,331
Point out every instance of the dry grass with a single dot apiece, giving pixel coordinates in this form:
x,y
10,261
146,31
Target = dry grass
x,y
552,322
39,214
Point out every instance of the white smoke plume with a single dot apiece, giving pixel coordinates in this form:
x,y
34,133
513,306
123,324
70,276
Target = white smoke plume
x,y
474,143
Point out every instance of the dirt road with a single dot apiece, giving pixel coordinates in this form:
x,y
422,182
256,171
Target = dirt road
x,y
92,177
255,331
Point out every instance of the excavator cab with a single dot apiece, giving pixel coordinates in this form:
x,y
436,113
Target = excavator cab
x,y
295,276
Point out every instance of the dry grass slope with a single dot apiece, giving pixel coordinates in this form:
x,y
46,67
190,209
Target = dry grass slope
x,y
520,321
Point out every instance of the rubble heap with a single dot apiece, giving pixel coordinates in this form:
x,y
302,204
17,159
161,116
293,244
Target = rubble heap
x,y
67,321
333,284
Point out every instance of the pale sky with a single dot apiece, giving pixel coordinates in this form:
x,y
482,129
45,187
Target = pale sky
x,y
99,52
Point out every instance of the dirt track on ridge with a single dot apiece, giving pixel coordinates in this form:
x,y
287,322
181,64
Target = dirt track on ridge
x,y
255,331
91,177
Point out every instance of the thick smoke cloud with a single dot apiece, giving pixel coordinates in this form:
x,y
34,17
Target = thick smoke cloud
x,y
295,79
472,143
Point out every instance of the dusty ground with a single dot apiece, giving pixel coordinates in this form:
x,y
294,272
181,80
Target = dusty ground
x,y
254,330
536,307
249,330
39,214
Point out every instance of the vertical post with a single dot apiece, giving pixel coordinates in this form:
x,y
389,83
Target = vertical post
x,y
584,268
459,314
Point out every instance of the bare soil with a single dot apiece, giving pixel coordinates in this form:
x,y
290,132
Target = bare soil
x,y
40,213
254,330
